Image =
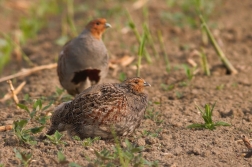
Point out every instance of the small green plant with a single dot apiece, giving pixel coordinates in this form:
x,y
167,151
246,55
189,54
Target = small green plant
x,y
59,91
220,87
24,135
88,141
60,95
189,72
179,95
56,138
1,165
77,138
156,132
128,156
183,84
153,115
61,158
63,161
207,116
140,40
67,23
37,107
24,157
166,87
122,76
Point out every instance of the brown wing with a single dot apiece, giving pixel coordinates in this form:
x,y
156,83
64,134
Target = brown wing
x,y
106,105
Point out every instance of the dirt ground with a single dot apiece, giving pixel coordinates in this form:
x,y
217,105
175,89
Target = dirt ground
x,y
174,145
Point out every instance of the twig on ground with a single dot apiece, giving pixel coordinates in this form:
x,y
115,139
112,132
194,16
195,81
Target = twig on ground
x,y
25,72
13,94
16,91
217,48
5,128
246,141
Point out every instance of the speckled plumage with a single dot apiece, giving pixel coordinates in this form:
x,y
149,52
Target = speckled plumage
x,y
83,61
100,108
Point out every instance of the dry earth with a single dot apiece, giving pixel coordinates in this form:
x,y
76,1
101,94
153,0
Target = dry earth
x,y
175,145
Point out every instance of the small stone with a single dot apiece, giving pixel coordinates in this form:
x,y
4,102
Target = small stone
x,y
168,155
141,142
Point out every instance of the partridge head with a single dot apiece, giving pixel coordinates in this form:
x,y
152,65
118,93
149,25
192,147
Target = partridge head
x,y
84,60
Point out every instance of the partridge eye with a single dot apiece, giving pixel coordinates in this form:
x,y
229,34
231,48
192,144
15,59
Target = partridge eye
x,y
136,82
97,23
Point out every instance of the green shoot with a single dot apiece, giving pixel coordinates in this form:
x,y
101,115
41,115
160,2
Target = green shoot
x,y
138,36
128,156
220,87
204,36
205,63
73,164
150,39
67,23
156,132
61,158
146,15
122,76
161,41
140,53
24,135
88,141
189,72
154,116
61,96
70,17
179,95
59,91
24,157
56,138
6,48
182,84
37,107
77,138
62,40
217,48
207,116
166,87
63,161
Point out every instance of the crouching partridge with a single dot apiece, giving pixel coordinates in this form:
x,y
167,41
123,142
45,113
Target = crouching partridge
x,y
84,60
101,108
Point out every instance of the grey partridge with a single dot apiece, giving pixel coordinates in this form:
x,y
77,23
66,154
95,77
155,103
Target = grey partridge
x,y
84,60
101,108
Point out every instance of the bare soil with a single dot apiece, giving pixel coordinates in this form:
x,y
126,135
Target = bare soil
x,y
175,145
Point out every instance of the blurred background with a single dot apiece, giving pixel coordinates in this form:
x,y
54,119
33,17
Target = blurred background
x,y
32,31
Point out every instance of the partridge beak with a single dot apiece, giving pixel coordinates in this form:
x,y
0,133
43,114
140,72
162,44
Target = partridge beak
x,y
147,84
107,25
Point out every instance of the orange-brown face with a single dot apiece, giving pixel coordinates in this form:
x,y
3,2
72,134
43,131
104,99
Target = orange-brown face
x,y
97,27
137,84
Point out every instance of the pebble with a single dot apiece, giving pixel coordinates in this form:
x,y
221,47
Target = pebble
x,y
141,142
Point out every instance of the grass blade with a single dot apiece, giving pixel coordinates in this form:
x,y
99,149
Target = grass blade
x,y
204,61
217,48
161,41
140,53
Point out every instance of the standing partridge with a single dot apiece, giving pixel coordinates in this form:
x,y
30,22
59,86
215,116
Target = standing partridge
x,y
83,61
101,109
